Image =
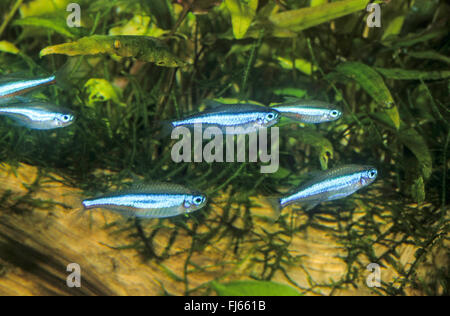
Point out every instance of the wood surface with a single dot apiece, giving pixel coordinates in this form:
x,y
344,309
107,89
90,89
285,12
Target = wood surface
x,y
37,244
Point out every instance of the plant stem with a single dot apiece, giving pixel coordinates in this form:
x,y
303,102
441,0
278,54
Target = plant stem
x,y
9,16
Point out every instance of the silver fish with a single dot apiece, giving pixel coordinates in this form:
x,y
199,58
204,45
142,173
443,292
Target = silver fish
x,y
37,114
232,118
329,185
151,201
309,111
14,86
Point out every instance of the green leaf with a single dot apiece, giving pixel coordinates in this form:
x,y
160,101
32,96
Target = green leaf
x,y
281,173
374,85
394,27
101,90
430,54
140,47
300,64
242,13
254,288
418,190
55,23
315,3
415,142
8,47
413,39
403,74
322,145
301,19
43,7
138,25
298,93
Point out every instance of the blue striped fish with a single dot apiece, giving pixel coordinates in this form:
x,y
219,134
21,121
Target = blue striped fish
x,y
11,86
232,118
329,185
156,200
36,114
309,111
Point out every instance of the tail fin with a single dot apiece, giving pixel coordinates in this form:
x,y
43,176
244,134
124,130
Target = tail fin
x,y
276,206
62,76
165,130
79,212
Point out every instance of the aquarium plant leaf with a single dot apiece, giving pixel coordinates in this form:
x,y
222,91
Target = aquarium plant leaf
x,y
138,25
242,13
430,54
101,90
140,47
415,142
394,27
300,64
295,92
8,47
404,74
322,145
254,288
373,84
418,189
301,19
163,12
315,3
55,23
413,39
43,7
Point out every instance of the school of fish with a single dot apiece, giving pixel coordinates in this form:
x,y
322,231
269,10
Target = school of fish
x,y
160,200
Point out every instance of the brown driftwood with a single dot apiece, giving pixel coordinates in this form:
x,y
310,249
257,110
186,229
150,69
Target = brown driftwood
x,y
37,244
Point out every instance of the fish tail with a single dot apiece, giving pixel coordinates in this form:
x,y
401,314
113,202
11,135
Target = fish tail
x,y
62,76
79,212
276,206
166,128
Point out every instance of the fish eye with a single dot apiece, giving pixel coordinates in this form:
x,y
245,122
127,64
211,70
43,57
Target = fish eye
x,y
335,113
66,118
372,173
198,200
271,116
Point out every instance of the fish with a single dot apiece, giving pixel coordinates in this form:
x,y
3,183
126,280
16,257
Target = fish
x,y
156,200
309,111
37,114
11,86
231,119
329,185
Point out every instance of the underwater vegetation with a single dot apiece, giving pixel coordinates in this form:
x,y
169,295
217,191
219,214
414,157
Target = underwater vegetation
x,y
341,91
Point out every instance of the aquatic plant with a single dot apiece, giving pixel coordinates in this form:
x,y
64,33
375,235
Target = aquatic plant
x,y
392,83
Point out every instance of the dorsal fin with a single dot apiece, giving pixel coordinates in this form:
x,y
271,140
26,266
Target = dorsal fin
x,y
212,103
157,188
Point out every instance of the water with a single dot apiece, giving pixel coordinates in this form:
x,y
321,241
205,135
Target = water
x,y
388,238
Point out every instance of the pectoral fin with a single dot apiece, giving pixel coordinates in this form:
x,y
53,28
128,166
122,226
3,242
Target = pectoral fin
x,y
310,205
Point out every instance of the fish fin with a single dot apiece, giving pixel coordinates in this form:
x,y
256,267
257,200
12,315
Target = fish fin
x,y
274,202
62,76
79,213
16,99
310,205
291,99
165,130
62,82
212,103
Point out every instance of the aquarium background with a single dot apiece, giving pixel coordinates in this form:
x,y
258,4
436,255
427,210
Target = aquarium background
x,y
392,83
